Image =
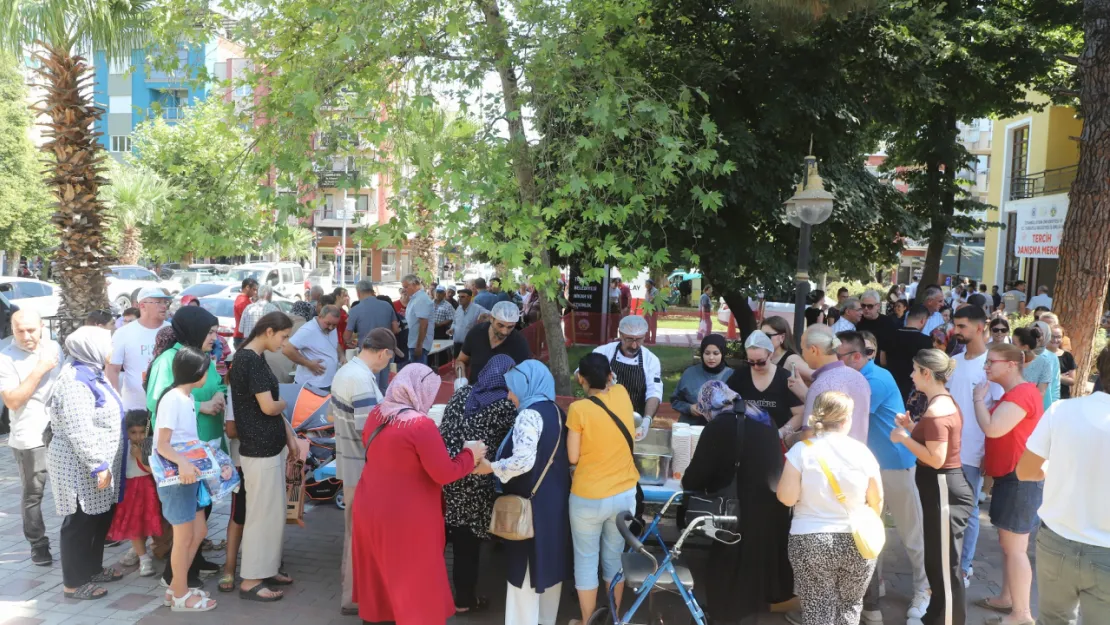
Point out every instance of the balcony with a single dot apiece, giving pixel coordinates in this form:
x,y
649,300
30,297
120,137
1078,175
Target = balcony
x,y
1047,182
168,113
330,218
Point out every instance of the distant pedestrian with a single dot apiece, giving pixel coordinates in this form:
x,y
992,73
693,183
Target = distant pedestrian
x,y
247,295
371,314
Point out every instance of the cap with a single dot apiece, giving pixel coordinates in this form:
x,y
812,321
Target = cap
x,y
633,325
152,292
381,338
441,289
505,311
759,339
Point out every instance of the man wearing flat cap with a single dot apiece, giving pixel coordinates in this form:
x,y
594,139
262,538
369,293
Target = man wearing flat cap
x,y
486,340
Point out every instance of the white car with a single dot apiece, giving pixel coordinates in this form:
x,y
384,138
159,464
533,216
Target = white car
x,y
30,294
125,282
287,279
223,306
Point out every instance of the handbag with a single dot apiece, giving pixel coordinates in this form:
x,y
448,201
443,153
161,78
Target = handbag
x,y
512,514
725,502
867,526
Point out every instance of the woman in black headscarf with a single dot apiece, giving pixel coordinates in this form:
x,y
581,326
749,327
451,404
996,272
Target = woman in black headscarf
x,y
712,367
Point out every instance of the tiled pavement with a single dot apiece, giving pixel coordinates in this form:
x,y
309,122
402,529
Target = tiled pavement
x,y
31,595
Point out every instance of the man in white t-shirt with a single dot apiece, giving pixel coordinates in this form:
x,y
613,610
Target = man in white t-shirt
x,y
315,349
1042,298
28,368
354,393
133,347
1068,450
911,290
970,322
933,300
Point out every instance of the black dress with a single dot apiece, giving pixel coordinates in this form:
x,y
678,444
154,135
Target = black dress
x,y
777,399
747,577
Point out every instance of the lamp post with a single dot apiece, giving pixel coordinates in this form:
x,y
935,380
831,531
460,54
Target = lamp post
x,y
810,205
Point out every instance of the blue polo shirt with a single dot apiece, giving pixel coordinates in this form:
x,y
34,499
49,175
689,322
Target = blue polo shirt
x,y
886,404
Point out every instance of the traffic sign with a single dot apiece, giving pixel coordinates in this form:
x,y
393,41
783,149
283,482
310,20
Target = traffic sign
x,y
338,250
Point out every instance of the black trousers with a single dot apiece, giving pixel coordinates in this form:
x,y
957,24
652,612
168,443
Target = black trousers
x,y
198,560
946,502
465,547
82,541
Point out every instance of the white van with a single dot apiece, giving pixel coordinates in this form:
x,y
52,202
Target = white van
x,y
287,279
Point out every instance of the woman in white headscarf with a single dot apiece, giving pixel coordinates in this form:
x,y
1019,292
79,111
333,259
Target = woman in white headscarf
x,y
85,458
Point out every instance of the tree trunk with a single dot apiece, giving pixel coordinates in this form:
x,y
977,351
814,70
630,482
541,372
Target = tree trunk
x,y
1084,268
75,165
131,246
745,317
13,262
558,361
938,231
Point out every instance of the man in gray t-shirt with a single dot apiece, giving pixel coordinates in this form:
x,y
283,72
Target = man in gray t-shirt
x,y
370,313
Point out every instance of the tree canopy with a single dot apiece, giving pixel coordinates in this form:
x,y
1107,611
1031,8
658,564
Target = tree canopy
x,y
25,226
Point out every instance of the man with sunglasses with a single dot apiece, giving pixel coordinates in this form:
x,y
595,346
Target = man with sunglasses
x,y
877,324
969,323
896,468
486,340
635,367
133,347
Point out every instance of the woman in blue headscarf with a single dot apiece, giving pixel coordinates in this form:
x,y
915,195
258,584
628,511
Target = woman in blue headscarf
x,y
481,412
537,449
750,576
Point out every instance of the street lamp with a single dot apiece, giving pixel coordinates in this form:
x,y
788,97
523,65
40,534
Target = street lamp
x,y
810,205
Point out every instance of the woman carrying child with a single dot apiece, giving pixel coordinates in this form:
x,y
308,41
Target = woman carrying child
x,y
139,515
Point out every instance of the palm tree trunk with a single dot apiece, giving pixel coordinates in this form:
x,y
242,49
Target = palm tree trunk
x,y
1085,248
131,247
74,173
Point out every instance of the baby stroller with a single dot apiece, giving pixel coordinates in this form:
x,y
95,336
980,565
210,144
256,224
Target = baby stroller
x,y
643,570
306,409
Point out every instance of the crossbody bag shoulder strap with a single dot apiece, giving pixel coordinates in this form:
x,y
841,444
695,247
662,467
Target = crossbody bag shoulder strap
x,y
620,424
829,475
551,460
374,434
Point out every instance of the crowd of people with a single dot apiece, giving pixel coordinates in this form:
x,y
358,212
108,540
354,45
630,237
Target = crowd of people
x,y
867,415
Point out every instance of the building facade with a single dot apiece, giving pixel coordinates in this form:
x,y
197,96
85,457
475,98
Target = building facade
x,y
1036,156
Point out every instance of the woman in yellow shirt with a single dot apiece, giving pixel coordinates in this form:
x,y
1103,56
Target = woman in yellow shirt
x,y
604,479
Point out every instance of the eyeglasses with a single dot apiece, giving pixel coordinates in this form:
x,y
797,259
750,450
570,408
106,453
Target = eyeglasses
x,y
1000,330
757,363
991,361
772,335
870,351
846,354
869,306
632,340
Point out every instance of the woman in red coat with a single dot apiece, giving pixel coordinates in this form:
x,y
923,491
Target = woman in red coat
x,y
397,524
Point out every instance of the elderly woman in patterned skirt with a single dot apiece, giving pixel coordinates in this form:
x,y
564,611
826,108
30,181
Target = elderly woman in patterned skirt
x,y
482,412
85,460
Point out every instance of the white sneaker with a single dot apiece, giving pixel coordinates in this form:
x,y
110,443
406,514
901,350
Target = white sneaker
x,y
146,567
967,576
918,606
130,558
914,621
872,617
794,617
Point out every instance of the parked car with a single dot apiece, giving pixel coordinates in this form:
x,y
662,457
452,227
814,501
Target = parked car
x,y
30,294
287,279
125,282
222,305
323,277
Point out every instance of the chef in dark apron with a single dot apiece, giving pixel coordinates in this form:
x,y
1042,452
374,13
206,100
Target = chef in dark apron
x,y
638,370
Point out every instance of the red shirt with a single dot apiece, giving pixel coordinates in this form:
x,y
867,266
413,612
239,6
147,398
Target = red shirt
x,y
342,328
1003,453
241,303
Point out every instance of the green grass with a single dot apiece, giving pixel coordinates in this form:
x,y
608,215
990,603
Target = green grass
x,y
690,323
672,360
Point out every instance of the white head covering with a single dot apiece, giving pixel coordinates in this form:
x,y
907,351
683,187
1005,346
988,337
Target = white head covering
x,y
761,340
91,345
505,311
633,325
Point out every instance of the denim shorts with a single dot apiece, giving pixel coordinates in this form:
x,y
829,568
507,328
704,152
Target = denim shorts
x,y
1014,504
593,529
179,502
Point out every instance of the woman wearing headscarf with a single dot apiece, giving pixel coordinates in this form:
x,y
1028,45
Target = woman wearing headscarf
x,y
712,367
397,524
767,386
195,327
481,412
85,460
749,576
537,450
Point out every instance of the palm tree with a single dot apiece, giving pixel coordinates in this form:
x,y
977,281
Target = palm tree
x,y
135,196
54,30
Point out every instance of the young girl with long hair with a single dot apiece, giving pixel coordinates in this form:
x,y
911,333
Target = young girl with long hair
x,y
139,515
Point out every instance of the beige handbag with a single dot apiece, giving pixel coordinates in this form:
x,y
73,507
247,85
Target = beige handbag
x,y
868,529
512,514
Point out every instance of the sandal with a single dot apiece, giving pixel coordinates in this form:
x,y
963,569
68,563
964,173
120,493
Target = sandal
x,y
181,604
86,592
252,594
106,574
167,600
277,581
227,583
986,603
208,545
480,604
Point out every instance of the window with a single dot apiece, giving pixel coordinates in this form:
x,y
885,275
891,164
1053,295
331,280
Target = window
x,y
121,143
1019,159
119,104
144,275
298,274
286,275
272,278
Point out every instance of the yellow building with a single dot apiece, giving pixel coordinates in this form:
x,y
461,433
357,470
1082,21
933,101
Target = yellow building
x,y
1034,158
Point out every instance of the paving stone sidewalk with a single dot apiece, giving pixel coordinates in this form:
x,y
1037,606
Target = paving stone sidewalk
x,y
32,595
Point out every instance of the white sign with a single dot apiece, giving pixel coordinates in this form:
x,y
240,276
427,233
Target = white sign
x,y
338,250
1040,226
